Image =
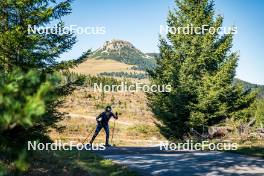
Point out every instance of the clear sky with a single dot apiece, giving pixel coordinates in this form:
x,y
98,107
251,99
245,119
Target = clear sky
x,y
138,21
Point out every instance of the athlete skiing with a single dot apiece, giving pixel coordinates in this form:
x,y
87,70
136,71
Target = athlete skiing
x,y
102,122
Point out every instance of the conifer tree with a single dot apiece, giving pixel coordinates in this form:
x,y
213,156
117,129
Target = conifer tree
x,y
30,87
200,68
20,45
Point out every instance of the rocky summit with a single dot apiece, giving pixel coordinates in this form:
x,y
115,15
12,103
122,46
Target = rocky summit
x,y
125,52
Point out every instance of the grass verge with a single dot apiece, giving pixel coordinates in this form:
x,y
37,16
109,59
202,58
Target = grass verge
x,y
73,163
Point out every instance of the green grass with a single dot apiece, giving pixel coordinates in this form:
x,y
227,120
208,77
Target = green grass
x,y
74,163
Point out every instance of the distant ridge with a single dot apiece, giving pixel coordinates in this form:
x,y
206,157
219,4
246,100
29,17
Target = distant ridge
x,y
248,86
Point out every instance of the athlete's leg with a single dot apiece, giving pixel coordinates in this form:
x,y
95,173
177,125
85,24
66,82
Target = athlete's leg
x,y
106,128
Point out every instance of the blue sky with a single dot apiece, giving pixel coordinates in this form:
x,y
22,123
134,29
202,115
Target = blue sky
x,y
138,21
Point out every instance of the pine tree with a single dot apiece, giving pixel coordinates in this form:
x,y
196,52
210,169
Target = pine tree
x,y
30,87
201,69
20,46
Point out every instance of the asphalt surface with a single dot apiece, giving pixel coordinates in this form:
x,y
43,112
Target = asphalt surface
x,y
152,161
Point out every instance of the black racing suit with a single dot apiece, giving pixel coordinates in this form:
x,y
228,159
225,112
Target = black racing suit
x,y
102,122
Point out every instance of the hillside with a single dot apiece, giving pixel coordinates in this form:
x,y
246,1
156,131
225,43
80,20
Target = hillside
x,y
96,66
84,104
248,86
119,59
124,52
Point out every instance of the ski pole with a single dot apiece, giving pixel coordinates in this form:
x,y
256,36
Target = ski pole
x,y
88,136
78,155
113,133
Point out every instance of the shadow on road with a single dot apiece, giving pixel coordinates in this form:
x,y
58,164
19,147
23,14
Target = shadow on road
x,y
152,161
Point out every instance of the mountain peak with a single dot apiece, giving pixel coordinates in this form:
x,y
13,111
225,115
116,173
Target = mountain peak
x,y
125,52
116,45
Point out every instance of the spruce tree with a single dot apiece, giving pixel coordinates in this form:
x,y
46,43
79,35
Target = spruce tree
x,y
20,46
200,68
30,86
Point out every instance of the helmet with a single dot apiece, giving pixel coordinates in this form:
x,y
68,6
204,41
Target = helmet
x,y
108,109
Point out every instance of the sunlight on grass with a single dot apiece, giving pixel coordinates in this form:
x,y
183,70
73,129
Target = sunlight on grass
x,y
75,163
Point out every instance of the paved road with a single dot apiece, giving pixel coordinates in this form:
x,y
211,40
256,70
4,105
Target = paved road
x,y
152,161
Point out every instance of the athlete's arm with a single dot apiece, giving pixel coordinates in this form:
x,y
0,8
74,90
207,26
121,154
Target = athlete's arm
x,y
115,115
98,117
